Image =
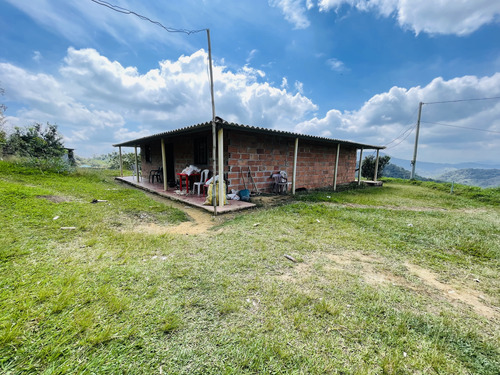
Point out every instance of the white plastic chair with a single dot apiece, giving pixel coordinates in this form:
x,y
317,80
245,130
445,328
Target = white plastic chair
x,y
203,178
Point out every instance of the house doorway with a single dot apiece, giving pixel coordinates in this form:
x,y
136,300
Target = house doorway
x,y
169,154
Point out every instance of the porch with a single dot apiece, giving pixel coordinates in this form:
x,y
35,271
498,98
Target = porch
x,y
189,199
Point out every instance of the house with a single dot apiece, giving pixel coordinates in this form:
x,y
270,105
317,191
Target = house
x,y
309,161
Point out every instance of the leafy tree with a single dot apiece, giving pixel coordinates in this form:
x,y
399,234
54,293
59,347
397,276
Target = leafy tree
x,y
35,142
3,134
128,160
368,167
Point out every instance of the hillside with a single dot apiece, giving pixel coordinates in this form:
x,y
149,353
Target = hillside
x,y
395,171
484,178
433,169
401,279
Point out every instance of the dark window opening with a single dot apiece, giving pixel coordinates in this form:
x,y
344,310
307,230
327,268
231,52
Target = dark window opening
x,y
147,154
201,151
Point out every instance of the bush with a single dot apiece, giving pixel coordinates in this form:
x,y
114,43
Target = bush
x,y
54,165
368,167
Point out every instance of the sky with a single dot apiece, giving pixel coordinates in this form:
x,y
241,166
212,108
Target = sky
x,y
345,69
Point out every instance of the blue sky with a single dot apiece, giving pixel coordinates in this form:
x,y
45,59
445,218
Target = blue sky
x,y
347,69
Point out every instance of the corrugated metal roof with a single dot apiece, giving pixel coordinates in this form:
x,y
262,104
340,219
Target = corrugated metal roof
x,y
230,125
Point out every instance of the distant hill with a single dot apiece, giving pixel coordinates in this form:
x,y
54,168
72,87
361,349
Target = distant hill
x,y
435,170
483,178
395,171
471,176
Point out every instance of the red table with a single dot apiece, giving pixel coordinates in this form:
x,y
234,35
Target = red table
x,y
182,175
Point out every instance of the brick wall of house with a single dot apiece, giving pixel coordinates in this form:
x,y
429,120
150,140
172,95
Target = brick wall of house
x,y
265,155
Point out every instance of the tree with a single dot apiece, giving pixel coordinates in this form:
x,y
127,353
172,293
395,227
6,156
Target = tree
x,y
35,142
3,134
128,160
368,167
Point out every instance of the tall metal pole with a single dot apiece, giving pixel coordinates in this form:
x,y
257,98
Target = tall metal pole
x,y
214,130
414,160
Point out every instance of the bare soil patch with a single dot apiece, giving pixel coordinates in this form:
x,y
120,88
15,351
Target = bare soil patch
x,y
54,198
454,292
199,221
391,208
374,271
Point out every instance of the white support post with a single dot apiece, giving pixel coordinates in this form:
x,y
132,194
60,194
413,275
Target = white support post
x,y
136,164
220,145
376,168
336,168
164,164
121,160
295,152
360,165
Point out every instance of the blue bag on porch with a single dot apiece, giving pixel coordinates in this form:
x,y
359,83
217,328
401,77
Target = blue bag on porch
x,y
244,195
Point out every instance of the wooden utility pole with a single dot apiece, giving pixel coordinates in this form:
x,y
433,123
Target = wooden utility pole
x,y
214,130
414,160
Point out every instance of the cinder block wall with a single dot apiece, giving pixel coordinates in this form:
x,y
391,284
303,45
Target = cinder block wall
x,y
155,158
264,155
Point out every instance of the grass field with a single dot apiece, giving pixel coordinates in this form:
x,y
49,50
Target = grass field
x,y
398,280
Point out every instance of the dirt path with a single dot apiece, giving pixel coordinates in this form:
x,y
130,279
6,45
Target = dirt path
x,y
199,221
399,208
375,270
372,270
453,292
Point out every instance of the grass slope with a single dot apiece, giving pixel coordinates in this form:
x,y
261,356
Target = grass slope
x,y
107,298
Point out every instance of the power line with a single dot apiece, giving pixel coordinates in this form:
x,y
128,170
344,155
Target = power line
x,y
463,100
461,127
410,130
402,134
127,11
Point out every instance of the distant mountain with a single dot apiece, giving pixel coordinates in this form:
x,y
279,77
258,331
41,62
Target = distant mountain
x,y
395,171
483,178
434,170
471,176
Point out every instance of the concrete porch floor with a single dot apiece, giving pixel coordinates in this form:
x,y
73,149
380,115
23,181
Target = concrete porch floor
x,y
189,199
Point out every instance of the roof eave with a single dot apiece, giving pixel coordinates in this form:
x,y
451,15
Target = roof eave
x,y
247,128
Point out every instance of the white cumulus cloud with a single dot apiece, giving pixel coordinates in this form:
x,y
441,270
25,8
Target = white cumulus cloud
x,y
434,17
294,11
97,102
444,134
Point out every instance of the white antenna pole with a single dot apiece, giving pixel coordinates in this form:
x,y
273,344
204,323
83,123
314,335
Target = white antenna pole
x,y
414,160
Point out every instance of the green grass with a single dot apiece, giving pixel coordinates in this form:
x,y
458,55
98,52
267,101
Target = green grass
x,y
105,298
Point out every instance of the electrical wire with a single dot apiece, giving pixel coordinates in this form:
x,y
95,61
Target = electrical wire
x,y
127,11
403,139
463,100
461,127
405,130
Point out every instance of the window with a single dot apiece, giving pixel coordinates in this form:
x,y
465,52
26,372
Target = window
x,y
147,154
201,151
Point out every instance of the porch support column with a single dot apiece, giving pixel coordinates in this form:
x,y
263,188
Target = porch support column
x,y
121,160
164,164
336,168
376,168
360,165
220,145
136,164
295,151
